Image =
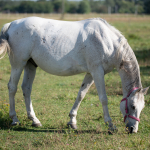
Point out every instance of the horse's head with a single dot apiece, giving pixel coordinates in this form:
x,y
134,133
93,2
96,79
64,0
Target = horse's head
x,y
131,107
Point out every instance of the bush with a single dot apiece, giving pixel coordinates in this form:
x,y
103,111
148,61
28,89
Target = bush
x,y
57,4
73,7
84,7
5,121
147,6
127,7
100,9
35,7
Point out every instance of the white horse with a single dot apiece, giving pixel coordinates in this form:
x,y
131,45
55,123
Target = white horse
x,y
68,48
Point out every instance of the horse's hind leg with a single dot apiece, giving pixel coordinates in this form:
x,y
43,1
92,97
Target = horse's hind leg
x,y
87,82
12,86
29,74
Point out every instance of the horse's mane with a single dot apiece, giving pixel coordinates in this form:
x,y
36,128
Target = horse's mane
x,y
126,57
130,65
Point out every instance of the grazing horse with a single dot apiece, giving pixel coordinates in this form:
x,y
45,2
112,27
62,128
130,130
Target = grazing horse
x,y
68,48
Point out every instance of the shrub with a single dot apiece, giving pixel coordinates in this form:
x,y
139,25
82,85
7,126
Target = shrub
x,y
84,7
4,115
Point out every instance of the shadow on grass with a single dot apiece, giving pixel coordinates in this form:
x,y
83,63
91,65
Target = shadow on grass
x,y
143,55
60,131
5,124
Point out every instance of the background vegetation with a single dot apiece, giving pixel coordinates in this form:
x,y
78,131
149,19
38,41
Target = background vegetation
x,y
83,6
53,98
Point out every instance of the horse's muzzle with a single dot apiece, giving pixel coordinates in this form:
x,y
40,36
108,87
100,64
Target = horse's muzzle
x,y
130,128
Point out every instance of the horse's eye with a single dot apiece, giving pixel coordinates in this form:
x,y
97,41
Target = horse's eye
x,y
132,106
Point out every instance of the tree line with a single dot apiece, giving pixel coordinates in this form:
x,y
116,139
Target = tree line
x,y
84,6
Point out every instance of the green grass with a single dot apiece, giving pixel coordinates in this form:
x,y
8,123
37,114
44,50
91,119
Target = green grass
x,y
53,98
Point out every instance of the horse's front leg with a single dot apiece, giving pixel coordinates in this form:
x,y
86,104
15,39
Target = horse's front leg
x,y
87,82
29,74
98,76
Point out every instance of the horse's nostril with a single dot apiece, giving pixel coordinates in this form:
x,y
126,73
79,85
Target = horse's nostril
x,y
131,129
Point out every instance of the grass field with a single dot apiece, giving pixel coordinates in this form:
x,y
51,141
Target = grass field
x,y
53,98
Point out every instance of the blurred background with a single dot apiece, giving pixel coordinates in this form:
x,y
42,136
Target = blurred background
x,y
75,6
56,95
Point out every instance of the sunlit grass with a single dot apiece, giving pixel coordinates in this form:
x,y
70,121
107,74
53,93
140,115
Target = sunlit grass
x,y
53,98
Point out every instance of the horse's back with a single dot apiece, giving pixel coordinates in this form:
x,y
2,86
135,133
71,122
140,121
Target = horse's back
x,y
55,46
59,47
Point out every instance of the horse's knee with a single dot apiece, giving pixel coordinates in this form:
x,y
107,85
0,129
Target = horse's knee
x,y
81,95
73,114
12,88
26,90
104,100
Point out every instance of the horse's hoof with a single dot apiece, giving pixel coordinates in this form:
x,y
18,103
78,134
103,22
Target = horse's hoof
x,y
112,129
36,124
73,126
110,132
15,123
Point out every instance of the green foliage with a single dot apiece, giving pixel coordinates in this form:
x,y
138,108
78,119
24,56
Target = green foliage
x,y
97,6
57,6
127,7
34,7
109,3
8,6
84,7
5,121
130,7
147,6
73,7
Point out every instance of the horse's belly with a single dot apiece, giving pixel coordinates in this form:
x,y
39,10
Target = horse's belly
x,y
61,68
66,66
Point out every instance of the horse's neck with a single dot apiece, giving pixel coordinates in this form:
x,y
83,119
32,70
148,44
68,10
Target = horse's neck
x,y
128,69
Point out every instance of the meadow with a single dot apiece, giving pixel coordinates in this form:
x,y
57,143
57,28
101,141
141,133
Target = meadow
x,y
53,98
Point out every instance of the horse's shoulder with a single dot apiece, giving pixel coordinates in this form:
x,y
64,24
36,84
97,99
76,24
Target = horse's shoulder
x,y
98,21
95,25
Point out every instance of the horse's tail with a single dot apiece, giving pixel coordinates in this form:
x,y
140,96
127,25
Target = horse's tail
x,y
4,45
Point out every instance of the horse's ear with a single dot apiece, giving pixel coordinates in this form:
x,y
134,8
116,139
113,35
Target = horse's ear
x,y
144,91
